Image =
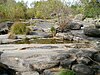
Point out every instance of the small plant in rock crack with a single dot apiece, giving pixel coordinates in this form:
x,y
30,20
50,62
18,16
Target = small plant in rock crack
x,y
66,72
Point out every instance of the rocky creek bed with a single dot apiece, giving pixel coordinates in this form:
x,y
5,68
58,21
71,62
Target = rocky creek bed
x,y
81,54
48,59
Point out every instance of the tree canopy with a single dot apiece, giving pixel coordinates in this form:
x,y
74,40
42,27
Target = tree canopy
x,y
10,9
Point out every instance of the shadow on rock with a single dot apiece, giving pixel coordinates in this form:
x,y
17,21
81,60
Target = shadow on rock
x,y
5,70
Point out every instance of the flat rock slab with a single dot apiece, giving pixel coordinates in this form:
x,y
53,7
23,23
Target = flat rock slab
x,y
26,57
30,73
19,57
11,47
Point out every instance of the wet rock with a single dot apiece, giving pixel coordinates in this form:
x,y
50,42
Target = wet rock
x,y
82,69
93,32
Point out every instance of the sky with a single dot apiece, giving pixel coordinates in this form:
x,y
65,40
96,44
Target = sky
x,y
30,1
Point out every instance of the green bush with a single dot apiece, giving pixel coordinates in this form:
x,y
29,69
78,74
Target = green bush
x,y
19,28
45,9
92,9
39,15
66,72
53,31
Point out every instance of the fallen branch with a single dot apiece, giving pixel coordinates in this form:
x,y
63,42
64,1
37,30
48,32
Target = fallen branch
x,y
94,61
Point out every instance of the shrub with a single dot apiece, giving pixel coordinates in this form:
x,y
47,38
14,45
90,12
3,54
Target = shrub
x,y
64,23
66,72
45,9
92,9
53,30
19,28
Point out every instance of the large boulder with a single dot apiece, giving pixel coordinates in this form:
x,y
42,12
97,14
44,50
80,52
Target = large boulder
x,y
41,66
67,63
83,60
70,26
75,26
93,32
82,69
84,53
97,26
5,70
44,62
16,63
5,31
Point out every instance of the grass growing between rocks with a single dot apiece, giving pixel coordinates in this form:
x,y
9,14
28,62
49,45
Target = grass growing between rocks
x,y
41,41
53,31
19,28
66,72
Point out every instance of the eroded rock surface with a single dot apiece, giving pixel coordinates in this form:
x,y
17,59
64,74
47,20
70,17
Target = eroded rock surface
x,y
37,59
